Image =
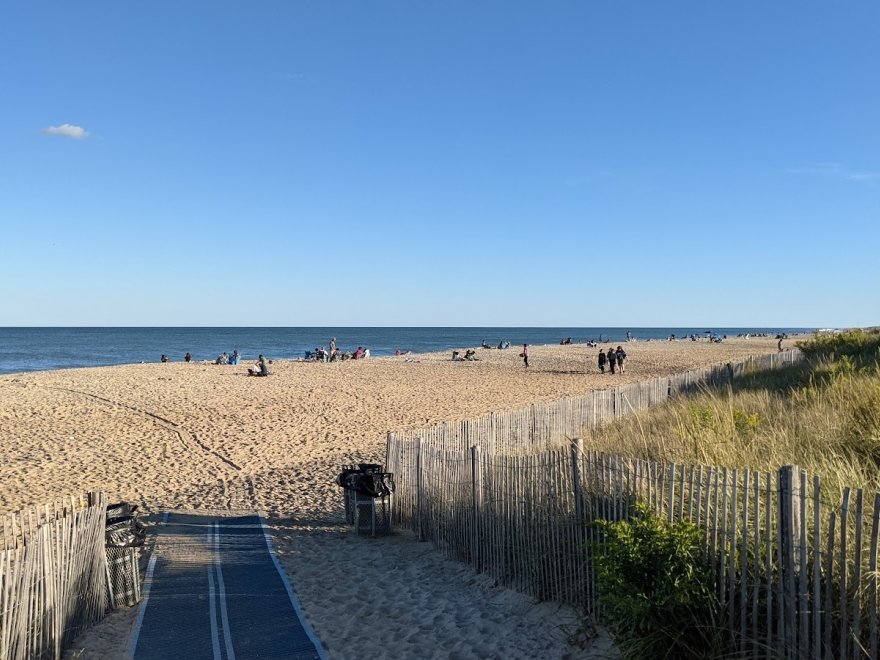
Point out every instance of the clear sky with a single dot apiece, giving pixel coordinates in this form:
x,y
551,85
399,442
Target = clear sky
x,y
440,163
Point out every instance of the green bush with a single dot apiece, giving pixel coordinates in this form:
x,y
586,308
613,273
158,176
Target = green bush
x,y
656,589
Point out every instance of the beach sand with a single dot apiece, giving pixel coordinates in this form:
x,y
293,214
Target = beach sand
x,y
201,436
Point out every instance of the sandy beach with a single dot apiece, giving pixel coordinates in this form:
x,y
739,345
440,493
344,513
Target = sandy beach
x,y
202,436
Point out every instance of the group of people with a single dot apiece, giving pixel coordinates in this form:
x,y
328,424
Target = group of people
x,y
260,367
165,358
470,355
225,358
333,353
501,344
613,359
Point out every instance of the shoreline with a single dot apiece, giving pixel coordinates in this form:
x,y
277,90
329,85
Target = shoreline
x,y
49,349
201,436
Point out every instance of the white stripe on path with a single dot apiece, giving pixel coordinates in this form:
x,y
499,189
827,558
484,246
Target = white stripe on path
x,y
148,581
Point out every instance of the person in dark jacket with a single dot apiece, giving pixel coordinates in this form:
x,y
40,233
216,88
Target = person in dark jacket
x,y
612,359
602,361
621,358
260,368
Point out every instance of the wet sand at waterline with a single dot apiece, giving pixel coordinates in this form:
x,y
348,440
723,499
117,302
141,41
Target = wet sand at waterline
x,y
203,436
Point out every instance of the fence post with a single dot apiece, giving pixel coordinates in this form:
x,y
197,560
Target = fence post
x,y
389,443
789,526
577,448
477,487
418,469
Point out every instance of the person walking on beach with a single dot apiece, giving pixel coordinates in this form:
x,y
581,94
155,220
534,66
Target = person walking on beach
x,y
525,355
332,345
621,358
602,361
612,359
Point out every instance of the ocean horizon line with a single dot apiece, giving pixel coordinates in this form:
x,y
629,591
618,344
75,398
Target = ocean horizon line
x,y
44,348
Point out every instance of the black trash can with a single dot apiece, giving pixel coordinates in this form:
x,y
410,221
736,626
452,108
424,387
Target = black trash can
x,y
123,537
367,492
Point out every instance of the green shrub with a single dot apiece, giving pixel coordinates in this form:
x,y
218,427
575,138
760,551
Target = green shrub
x,y
656,590
746,423
858,345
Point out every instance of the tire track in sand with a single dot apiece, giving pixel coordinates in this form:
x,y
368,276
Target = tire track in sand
x,y
164,422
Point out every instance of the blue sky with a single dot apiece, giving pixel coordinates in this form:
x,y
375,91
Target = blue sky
x,y
458,163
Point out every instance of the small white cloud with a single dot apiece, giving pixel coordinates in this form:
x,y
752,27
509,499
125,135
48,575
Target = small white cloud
x,y
67,130
837,170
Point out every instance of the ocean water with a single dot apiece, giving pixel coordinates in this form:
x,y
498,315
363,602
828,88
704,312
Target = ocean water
x,y
40,349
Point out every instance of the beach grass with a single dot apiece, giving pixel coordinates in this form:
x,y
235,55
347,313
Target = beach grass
x,y
822,415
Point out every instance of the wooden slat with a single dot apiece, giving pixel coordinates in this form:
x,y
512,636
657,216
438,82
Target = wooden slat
x,y
844,594
756,587
857,580
817,569
731,543
803,610
744,565
872,583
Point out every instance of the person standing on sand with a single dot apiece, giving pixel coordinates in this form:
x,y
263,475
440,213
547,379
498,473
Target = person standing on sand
x,y
612,359
779,343
525,355
332,345
621,358
602,361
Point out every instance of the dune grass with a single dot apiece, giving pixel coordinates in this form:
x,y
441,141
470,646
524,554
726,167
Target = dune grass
x,y
822,414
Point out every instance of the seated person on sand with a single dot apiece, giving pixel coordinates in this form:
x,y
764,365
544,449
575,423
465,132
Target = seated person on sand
x,y
485,345
164,358
456,356
260,368
469,355
223,358
187,357
358,354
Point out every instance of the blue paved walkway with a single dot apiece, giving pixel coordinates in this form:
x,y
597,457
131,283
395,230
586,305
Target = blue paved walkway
x,y
214,591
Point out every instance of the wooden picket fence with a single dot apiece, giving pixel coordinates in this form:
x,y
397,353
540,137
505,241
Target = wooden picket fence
x,y
794,567
53,576
545,425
